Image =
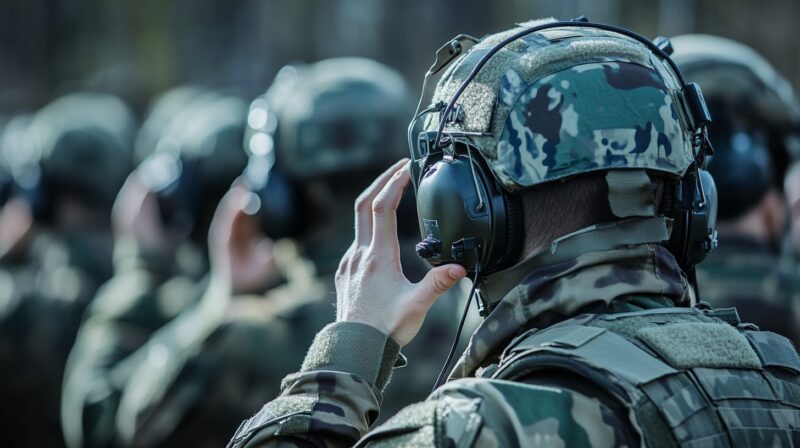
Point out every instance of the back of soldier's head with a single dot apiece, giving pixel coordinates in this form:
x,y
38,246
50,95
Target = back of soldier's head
x,y
161,114
197,157
78,145
756,118
537,134
319,135
338,115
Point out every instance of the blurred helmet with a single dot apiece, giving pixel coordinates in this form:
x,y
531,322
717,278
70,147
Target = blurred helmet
x,y
196,160
81,143
548,101
567,101
13,138
756,114
342,114
161,114
339,121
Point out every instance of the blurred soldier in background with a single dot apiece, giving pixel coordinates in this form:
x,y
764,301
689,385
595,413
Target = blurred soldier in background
x,y
755,112
791,188
190,147
75,155
318,136
16,221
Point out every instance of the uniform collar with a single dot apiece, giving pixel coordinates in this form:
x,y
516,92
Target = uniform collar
x,y
548,293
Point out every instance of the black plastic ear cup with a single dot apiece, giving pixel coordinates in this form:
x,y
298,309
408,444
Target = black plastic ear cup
x,y
178,200
281,207
465,217
37,197
694,219
483,231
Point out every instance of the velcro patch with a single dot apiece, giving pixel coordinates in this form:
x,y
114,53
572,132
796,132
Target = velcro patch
x,y
688,345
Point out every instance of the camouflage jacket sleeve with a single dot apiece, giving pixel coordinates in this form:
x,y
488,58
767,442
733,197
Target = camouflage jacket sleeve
x,y
335,397
334,406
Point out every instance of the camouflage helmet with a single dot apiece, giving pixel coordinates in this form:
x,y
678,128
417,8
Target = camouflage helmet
x,y
567,101
195,161
738,78
162,113
82,141
335,115
756,118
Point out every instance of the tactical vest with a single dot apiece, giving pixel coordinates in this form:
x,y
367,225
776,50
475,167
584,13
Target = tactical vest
x,y
687,377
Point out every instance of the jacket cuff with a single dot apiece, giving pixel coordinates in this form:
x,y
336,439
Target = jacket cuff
x,y
354,348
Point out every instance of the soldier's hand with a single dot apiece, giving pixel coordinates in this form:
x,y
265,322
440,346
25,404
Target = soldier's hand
x,y
16,220
370,285
135,215
241,256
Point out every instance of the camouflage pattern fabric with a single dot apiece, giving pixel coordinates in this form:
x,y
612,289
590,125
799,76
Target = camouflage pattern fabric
x,y
566,101
589,117
42,305
561,292
217,362
197,392
749,276
335,399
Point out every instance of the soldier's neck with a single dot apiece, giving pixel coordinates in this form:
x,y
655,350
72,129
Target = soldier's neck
x,y
595,238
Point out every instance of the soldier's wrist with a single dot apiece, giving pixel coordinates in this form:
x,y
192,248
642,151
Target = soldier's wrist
x,y
354,348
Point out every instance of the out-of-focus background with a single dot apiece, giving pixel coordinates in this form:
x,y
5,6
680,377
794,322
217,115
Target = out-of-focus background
x,y
137,48
111,236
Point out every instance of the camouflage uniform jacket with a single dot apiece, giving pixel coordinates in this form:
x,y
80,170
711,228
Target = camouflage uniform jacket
x,y
196,390
744,273
335,398
205,371
146,292
42,305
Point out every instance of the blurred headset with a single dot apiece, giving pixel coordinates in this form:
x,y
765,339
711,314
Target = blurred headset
x,y
484,232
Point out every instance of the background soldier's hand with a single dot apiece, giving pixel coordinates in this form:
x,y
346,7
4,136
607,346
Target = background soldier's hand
x,y
241,256
135,215
370,285
16,220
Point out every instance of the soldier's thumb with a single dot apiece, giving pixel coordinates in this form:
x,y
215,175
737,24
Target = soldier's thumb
x,y
440,279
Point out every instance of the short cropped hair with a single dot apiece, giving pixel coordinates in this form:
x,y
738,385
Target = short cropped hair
x,y
560,208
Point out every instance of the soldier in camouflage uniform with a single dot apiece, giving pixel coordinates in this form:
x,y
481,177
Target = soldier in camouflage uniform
x,y
74,156
755,112
316,138
590,339
161,219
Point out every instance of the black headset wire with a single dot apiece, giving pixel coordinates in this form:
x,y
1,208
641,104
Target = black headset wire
x,y
440,379
464,84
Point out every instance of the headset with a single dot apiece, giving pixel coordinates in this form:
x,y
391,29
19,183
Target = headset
x,y
282,210
467,217
186,196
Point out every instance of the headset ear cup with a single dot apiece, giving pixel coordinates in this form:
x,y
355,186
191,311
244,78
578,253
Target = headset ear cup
x,y
279,212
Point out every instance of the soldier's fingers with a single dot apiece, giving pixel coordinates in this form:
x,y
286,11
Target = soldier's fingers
x,y
436,282
363,205
384,213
